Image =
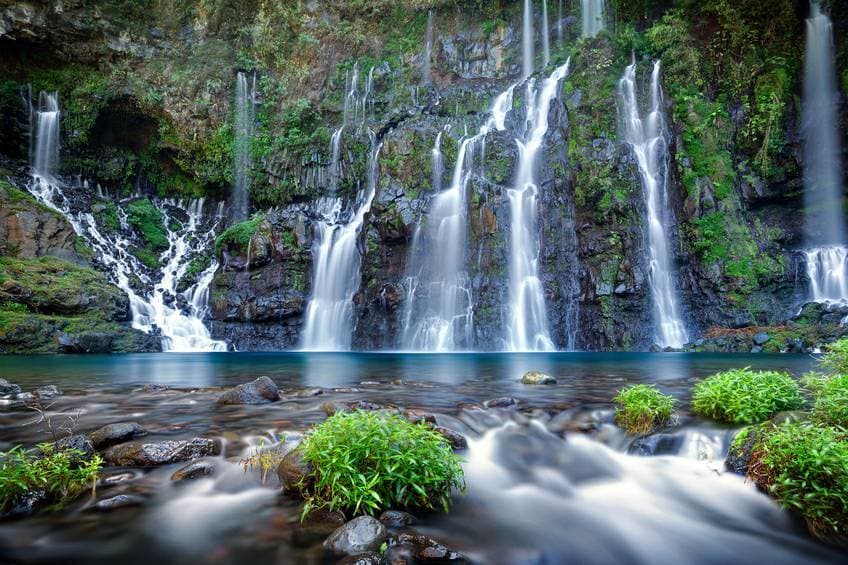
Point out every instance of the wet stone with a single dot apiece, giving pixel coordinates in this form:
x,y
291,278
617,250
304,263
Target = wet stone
x,y
292,470
420,549
119,432
537,378
368,558
78,443
160,453
120,501
456,439
8,389
261,391
397,518
657,444
502,402
47,392
194,470
358,536
154,388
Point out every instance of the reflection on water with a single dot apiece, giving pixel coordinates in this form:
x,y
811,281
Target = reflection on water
x,y
549,480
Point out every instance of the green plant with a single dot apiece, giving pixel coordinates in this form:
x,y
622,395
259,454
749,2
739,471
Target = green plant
x,y
642,408
265,458
365,461
830,398
238,235
805,467
61,475
744,396
150,223
835,360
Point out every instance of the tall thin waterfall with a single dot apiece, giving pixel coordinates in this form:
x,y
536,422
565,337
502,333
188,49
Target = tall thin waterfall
x,y
593,17
646,134
336,263
528,321
826,254
154,310
527,40
439,313
428,50
546,35
335,163
560,35
244,129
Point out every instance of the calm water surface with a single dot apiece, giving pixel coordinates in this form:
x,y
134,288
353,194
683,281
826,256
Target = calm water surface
x,y
549,481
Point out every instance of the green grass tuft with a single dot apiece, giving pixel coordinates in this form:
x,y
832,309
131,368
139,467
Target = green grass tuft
x,y
744,396
149,222
238,235
830,398
365,462
642,408
835,360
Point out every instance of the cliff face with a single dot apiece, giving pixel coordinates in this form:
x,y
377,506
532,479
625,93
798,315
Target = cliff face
x,y
147,93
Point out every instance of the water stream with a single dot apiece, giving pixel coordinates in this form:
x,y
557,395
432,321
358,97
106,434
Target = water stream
x,y
245,102
593,17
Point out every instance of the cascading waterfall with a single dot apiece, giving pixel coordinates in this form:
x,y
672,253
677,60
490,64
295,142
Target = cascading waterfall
x,y
335,163
244,129
528,323
439,313
647,136
180,331
527,40
546,33
593,17
428,50
826,256
336,264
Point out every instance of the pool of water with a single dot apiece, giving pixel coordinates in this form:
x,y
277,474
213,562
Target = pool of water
x,y
550,480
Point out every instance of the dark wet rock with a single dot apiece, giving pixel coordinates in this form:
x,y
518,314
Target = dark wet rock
x,y
42,393
117,478
25,505
119,432
537,378
397,518
358,536
502,402
316,526
261,391
7,388
160,453
417,416
194,470
120,501
78,443
330,408
456,439
739,457
365,405
656,444
761,338
408,548
292,470
308,392
153,387
368,558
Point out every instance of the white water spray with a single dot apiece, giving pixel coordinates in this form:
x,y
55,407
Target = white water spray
x,y
647,136
527,40
593,17
546,33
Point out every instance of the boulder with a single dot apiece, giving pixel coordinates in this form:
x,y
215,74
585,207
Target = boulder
x,y
193,470
456,439
261,391
537,378
292,470
138,454
408,548
119,432
360,535
761,338
8,389
397,518
316,526
78,443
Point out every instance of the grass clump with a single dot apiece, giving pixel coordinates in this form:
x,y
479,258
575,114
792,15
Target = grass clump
x,y
804,466
642,408
835,361
744,396
149,222
366,461
55,476
830,398
238,235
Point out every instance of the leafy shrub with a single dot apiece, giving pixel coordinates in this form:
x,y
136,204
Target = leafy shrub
x,y
830,398
744,396
641,408
836,358
150,223
805,467
61,475
365,461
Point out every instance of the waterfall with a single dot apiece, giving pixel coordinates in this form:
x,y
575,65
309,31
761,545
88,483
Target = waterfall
x,y
428,50
527,40
335,152
560,36
593,17
528,321
244,128
546,40
647,136
826,252
154,310
336,264
439,311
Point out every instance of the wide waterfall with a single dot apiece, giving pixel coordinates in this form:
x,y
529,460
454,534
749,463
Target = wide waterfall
x,y
156,309
527,52
244,127
528,321
646,134
826,253
336,262
593,17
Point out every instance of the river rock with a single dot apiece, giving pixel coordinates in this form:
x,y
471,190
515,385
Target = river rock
x,y
261,391
397,518
408,548
193,470
456,439
316,526
292,470
78,443
7,388
160,453
358,536
537,378
368,558
502,402
120,501
656,444
761,338
119,432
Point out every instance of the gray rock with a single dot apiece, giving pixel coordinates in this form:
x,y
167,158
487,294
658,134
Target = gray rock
x,y
656,444
761,338
537,378
47,392
502,402
138,454
292,470
78,443
408,548
456,439
756,349
358,536
120,501
397,518
194,470
261,391
119,432
368,558
7,388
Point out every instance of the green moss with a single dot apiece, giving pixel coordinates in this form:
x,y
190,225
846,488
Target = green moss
x,y
744,396
642,408
237,236
106,215
149,221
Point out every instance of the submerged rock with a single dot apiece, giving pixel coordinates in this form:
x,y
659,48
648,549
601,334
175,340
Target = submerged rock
x,y
160,453
120,501
261,391
194,470
111,434
656,444
407,548
358,536
316,526
537,378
